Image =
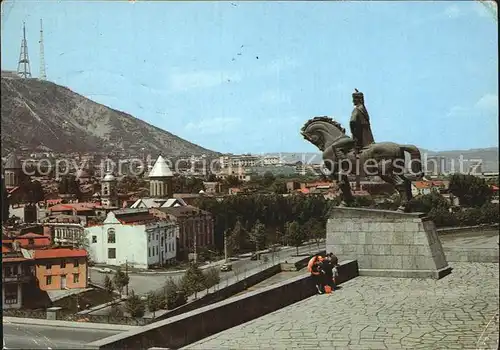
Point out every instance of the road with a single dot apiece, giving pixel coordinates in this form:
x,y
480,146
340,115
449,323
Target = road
x,y
143,283
24,336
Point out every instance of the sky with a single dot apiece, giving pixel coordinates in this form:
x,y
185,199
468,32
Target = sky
x,y
245,76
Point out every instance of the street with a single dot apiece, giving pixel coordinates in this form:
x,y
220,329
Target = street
x,y
143,283
24,336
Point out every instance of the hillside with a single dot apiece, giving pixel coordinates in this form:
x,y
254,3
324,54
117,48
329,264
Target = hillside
x,y
42,114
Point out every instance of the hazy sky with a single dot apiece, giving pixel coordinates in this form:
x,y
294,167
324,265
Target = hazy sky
x,y
245,76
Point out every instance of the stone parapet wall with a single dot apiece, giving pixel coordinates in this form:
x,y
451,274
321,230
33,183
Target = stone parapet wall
x,y
387,243
179,331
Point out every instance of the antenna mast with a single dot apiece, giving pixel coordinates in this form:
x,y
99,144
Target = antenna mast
x,y
23,67
43,75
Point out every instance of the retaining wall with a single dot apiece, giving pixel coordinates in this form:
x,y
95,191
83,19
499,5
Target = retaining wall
x,y
190,327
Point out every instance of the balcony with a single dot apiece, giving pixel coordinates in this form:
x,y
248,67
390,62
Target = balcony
x,y
17,278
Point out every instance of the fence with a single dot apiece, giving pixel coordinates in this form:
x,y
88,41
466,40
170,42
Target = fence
x,y
122,320
40,314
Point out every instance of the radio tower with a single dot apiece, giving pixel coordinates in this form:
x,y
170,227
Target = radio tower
x,y
43,75
23,67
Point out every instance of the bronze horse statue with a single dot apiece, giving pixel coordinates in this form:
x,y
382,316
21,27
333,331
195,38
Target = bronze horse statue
x,y
341,158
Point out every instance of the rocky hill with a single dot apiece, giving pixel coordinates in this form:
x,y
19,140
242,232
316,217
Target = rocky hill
x,y
41,114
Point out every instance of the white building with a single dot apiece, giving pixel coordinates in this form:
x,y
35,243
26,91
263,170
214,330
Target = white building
x,y
133,236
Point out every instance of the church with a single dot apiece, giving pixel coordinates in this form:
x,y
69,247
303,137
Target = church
x,y
160,188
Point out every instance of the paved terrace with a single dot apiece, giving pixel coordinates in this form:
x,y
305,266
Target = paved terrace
x,y
459,311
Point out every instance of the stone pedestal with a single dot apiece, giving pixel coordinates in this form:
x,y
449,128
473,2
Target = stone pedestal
x,y
387,243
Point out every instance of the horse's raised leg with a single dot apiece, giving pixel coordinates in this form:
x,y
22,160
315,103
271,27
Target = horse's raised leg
x,y
399,184
345,188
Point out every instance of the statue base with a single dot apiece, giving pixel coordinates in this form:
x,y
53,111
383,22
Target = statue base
x,y
387,243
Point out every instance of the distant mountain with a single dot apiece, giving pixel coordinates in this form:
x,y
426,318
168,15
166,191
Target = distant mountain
x,y
40,114
488,156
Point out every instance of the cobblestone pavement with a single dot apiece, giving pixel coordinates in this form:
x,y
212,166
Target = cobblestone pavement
x,y
459,311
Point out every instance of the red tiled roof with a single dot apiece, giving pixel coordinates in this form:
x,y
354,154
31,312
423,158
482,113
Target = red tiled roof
x,y
5,249
494,188
59,253
53,201
31,235
422,184
74,206
130,219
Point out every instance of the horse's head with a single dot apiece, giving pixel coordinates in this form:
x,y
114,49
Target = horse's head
x,y
322,131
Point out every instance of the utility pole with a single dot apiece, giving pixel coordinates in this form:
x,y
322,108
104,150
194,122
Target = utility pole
x,y
226,258
126,273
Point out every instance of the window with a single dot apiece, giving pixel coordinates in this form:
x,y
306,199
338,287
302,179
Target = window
x,y
162,240
149,237
76,278
111,253
76,263
157,236
48,280
111,235
94,239
63,264
48,266
149,252
10,293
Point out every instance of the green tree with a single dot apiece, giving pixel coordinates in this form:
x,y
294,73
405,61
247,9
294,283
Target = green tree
x,y
258,235
174,296
212,277
268,178
108,285
314,230
295,235
135,306
471,190
115,311
120,280
193,280
154,302
426,202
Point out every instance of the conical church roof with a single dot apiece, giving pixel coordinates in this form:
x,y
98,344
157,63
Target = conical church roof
x,y
12,162
160,169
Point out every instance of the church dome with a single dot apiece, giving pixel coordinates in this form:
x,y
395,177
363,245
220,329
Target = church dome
x,y
108,177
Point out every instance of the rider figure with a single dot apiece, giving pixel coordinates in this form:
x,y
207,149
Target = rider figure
x,y
360,122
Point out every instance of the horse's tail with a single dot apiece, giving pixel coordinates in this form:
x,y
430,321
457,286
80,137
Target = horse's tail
x,y
415,162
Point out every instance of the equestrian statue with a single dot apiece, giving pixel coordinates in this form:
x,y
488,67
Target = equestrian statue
x,y
360,155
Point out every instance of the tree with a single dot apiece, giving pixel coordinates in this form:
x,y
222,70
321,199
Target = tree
x,y
135,306
212,277
295,235
174,296
120,280
258,235
5,202
108,285
471,190
427,202
34,192
115,311
315,230
268,178
154,302
193,280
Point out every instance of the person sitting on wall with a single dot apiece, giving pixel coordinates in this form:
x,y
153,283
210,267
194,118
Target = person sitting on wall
x,y
329,272
316,274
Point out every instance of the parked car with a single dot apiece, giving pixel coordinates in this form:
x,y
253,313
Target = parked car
x,y
226,267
